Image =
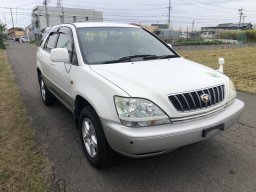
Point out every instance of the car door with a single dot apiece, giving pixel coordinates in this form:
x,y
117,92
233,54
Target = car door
x,y
63,70
45,60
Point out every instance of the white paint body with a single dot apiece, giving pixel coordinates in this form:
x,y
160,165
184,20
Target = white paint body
x,y
154,80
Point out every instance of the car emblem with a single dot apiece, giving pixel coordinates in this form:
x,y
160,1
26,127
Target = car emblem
x,y
205,98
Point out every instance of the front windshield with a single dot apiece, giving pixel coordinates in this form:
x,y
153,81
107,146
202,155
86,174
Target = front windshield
x,y
120,44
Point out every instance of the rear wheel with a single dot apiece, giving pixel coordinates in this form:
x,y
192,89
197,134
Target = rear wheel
x,y
47,97
93,139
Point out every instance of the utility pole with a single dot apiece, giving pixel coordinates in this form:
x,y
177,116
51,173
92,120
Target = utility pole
x,y
58,3
12,17
16,15
193,25
243,19
5,21
169,13
240,16
46,13
62,14
187,34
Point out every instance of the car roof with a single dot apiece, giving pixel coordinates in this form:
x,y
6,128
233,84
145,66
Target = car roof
x,y
102,24
90,24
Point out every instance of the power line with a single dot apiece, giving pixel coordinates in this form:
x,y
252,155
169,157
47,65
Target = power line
x,y
121,3
23,5
119,9
209,6
132,16
15,7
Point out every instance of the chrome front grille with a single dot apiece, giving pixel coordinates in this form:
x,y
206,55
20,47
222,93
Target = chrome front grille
x,y
194,100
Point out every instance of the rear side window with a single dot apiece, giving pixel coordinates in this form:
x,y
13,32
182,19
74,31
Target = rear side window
x,y
51,42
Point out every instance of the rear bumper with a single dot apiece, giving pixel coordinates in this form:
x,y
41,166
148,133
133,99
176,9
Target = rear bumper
x,y
147,141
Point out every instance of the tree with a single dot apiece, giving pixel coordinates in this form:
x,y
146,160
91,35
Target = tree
x,y
3,36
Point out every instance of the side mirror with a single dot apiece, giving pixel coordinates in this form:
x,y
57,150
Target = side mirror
x,y
59,55
221,63
170,45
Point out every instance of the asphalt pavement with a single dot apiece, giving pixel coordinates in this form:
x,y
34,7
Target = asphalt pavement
x,y
225,163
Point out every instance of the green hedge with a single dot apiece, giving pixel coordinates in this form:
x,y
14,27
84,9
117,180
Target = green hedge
x,y
251,35
3,36
242,36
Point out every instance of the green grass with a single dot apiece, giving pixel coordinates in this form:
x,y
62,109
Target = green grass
x,y
240,64
22,165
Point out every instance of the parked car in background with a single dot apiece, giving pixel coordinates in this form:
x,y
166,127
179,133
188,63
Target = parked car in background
x,y
207,35
130,92
16,39
24,39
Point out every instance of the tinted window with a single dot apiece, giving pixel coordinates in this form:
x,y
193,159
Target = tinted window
x,y
66,41
51,42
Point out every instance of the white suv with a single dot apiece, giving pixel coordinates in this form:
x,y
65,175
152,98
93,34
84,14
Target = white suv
x,y
130,92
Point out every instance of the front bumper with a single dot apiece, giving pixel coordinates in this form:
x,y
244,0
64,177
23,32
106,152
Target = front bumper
x,y
147,141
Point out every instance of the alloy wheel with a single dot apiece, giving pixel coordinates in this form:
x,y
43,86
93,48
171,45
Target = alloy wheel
x,y
43,90
89,137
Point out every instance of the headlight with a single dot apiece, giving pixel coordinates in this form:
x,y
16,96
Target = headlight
x,y
136,112
232,90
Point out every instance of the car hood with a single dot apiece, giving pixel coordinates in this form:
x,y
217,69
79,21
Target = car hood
x,y
159,77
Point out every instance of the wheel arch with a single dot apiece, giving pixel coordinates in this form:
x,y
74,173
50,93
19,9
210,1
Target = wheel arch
x,y
38,73
80,103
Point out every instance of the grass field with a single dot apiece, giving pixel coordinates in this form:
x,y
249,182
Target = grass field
x,y
22,167
240,64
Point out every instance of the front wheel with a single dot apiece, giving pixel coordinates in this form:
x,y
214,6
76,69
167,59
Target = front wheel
x,y
93,139
47,97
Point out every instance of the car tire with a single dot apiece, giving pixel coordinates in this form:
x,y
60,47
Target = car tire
x,y
47,97
93,139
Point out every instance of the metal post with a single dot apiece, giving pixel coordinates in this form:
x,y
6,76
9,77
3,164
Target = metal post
x,y
46,13
240,16
169,13
12,18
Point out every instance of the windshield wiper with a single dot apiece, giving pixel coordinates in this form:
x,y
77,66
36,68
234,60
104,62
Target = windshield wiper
x,y
132,58
139,58
167,56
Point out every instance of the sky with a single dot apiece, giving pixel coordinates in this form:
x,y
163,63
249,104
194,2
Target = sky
x,y
183,12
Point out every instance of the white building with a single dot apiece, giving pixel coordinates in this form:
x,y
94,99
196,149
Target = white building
x,y
46,17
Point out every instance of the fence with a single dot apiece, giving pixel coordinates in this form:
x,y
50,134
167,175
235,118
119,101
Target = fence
x,y
213,38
